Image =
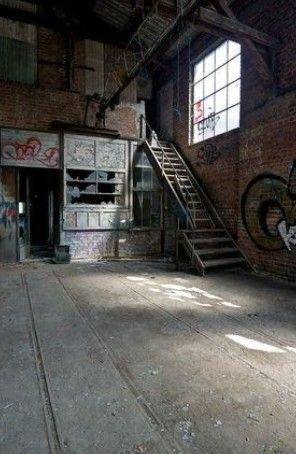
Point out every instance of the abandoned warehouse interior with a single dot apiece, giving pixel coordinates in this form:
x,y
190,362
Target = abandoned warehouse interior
x,y
209,86
158,131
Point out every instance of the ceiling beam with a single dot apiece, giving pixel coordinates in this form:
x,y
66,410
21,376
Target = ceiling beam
x,y
151,53
96,30
260,63
142,13
211,19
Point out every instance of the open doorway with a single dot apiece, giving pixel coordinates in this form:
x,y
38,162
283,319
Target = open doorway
x,y
38,212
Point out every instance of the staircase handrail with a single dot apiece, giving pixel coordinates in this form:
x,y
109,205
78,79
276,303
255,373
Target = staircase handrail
x,y
210,204
159,146
200,189
185,198
181,204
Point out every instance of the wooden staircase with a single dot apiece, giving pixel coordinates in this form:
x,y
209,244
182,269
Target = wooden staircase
x,y
202,233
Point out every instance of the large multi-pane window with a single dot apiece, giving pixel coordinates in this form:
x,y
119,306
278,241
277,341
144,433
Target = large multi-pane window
x,y
215,94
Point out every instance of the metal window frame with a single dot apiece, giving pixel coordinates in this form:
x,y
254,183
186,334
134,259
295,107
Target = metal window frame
x,y
201,58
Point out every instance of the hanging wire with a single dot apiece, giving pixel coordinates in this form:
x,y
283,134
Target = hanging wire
x,y
177,109
177,106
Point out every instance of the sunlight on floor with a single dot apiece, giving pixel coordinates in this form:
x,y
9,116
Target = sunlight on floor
x,y
253,344
181,293
227,304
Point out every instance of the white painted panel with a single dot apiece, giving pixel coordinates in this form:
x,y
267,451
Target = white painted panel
x,y
79,151
30,148
82,219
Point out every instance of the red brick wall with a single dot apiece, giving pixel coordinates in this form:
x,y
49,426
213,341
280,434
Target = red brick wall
x,y
265,142
24,106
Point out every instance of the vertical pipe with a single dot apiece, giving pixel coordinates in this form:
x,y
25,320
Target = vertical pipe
x,y
162,218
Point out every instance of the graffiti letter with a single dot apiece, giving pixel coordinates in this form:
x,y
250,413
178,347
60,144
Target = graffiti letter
x,y
264,193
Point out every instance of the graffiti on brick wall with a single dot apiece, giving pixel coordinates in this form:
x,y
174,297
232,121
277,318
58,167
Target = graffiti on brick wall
x,y
7,209
269,211
207,154
29,149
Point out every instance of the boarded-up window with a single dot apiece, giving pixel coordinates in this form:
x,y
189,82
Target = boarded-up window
x,y
94,60
18,56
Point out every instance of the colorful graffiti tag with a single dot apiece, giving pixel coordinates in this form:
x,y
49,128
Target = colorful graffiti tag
x,y
269,211
204,122
7,217
24,148
7,206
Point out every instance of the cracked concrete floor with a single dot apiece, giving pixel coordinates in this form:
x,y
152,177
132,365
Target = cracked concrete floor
x,y
126,357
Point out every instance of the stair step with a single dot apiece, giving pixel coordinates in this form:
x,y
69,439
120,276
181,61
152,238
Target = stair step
x,y
158,151
169,161
201,219
176,173
223,262
163,148
202,231
210,240
216,251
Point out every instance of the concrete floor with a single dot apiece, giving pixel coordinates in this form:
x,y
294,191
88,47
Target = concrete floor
x,y
136,358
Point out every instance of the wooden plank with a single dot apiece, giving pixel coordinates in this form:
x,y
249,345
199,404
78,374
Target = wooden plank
x,y
210,18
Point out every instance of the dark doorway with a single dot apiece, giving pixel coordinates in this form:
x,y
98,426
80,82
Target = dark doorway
x,y
39,188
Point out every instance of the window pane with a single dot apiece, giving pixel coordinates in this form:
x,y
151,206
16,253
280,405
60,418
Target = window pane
x,y
137,180
209,130
146,178
208,106
221,55
234,69
198,112
198,132
221,100
234,49
155,182
141,159
233,117
210,63
137,204
207,126
155,210
18,60
198,71
221,77
234,93
198,93
221,124
146,213
209,85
